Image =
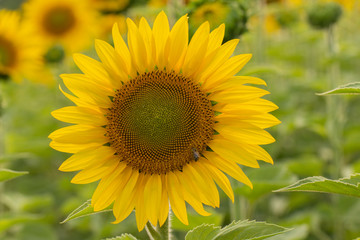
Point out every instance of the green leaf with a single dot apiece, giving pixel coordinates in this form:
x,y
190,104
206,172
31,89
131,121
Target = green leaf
x,y
244,230
7,174
85,209
204,231
125,236
346,186
350,88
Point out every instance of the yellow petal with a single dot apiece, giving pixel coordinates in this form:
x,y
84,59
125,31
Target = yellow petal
x,y
176,45
216,38
93,69
219,178
176,198
191,195
227,166
112,63
209,185
242,132
187,179
196,50
148,38
160,33
217,59
237,81
141,203
72,148
239,94
164,210
86,158
227,70
152,197
262,121
252,107
123,51
205,186
231,151
88,91
80,115
93,174
80,134
259,153
136,47
125,201
110,187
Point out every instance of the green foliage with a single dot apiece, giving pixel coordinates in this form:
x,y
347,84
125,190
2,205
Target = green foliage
x,y
347,186
7,174
244,230
347,89
123,237
83,210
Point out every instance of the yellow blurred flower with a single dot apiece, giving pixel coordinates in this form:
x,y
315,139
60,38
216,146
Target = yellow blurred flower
x,y
347,4
21,52
110,5
214,12
107,21
71,23
147,115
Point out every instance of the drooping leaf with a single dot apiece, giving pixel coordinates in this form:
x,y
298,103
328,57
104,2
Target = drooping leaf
x,y
83,210
350,88
125,236
346,186
7,174
244,230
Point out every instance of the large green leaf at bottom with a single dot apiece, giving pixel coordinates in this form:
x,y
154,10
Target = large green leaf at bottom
x,y
241,230
346,186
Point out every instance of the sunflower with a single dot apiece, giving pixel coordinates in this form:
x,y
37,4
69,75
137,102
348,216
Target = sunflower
x,y
68,22
110,5
19,58
162,121
214,12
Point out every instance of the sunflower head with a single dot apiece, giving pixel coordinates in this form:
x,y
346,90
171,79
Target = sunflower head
x,y
161,120
20,51
62,21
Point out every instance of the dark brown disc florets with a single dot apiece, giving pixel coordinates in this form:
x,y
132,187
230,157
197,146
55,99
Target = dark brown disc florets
x,y
157,120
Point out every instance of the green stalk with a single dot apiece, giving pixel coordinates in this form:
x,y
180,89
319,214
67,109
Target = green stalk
x,y
160,233
335,124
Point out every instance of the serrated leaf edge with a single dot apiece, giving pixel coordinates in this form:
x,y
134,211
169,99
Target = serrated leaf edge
x,y
290,187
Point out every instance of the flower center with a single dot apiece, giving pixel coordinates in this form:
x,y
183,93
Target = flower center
x,y
59,20
160,122
8,54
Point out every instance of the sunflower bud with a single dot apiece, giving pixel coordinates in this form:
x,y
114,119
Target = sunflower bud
x,y
55,54
323,15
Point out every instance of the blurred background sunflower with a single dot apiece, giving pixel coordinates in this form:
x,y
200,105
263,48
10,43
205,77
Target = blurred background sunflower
x,y
63,21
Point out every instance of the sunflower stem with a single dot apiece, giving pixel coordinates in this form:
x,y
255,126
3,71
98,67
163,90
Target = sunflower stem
x,y
159,233
335,123
165,229
151,231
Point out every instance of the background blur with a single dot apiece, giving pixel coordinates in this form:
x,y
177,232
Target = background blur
x,y
296,55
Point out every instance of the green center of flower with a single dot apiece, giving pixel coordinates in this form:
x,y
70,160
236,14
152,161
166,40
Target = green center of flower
x,y
8,54
159,121
59,21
